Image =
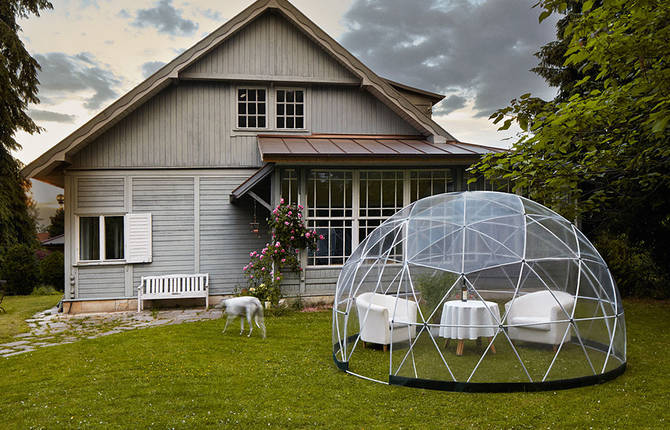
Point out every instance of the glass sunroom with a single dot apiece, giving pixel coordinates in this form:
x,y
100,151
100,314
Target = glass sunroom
x,y
478,291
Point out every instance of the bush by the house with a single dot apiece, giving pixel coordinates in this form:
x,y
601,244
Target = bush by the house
x,y
633,267
43,290
18,266
52,270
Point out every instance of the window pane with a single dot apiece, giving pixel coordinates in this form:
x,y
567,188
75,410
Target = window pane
x,y
241,122
290,109
252,108
299,110
289,123
280,122
252,121
241,95
261,95
261,121
261,108
280,95
280,109
252,95
299,96
89,238
299,123
242,108
114,238
289,96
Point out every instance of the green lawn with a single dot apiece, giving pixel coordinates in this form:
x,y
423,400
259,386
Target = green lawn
x,y
191,375
18,309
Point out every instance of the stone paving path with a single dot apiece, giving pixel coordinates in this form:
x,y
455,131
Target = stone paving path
x,y
49,328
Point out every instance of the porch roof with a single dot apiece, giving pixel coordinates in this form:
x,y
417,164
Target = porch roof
x,y
283,148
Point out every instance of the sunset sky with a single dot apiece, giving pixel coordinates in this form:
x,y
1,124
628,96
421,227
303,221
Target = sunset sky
x,y
477,52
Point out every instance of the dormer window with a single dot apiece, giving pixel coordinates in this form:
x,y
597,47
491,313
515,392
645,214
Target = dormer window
x,y
290,109
251,108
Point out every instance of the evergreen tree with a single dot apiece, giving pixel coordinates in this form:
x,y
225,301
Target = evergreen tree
x,y
57,223
18,88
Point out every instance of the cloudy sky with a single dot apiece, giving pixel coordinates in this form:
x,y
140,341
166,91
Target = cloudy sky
x,y
477,52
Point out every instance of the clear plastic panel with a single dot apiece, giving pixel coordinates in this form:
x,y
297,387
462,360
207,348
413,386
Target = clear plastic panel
x,y
478,287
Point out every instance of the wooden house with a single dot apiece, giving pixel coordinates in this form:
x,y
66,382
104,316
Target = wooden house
x,y
168,178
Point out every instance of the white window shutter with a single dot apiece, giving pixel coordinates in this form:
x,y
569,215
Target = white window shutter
x,y
138,238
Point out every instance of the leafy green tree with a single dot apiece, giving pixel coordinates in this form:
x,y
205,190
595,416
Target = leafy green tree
x,y
18,88
57,223
600,151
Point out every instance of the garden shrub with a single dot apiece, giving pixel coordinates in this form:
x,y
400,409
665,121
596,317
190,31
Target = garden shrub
x,y
18,266
433,288
633,267
43,290
52,270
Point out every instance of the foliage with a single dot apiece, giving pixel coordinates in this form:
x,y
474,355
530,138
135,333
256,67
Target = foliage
x,y
294,383
290,235
57,223
600,151
52,270
633,267
18,266
44,290
16,222
18,88
433,289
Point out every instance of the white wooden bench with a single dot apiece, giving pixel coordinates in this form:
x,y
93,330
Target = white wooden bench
x,y
173,287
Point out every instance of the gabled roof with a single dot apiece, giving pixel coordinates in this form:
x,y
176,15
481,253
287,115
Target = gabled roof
x,y
379,87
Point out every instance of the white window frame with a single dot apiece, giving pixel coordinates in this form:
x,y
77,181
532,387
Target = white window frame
x,y
356,218
305,105
101,234
268,104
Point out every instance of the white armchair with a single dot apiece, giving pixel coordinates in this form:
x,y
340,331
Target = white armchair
x,y
375,313
540,310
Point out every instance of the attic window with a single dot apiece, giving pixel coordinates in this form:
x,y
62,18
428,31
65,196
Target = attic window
x,y
251,108
291,109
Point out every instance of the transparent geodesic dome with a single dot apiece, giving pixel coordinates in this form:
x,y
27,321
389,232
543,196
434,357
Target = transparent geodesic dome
x,y
478,291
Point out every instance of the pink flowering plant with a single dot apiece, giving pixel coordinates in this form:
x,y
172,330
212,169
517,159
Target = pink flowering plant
x,y
289,236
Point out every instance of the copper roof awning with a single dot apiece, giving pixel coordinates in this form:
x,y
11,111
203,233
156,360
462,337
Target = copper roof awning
x,y
276,148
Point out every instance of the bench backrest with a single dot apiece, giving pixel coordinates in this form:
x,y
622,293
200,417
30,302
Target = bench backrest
x,y
174,284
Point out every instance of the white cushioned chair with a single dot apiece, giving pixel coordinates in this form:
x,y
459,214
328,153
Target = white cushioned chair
x,y
541,310
375,313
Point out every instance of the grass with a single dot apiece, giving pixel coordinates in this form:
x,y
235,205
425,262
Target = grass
x,y
19,308
192,376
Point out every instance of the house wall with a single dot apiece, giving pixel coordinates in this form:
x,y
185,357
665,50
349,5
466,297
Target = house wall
x,y
195,228
271,46
191,125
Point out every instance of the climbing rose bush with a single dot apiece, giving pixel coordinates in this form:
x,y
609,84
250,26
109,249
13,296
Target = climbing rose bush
x,y
289,236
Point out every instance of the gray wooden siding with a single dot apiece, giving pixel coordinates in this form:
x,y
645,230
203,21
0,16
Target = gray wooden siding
x,y
225,239
100,282
100,195
171,203
271,46
191,125
353,111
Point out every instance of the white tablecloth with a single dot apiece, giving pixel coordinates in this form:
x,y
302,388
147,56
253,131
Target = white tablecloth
x,y
465,315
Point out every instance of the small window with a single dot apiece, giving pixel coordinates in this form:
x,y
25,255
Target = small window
x,y
92,229
251,108
291,109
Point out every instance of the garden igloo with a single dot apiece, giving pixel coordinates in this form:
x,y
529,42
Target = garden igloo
x,y
478,291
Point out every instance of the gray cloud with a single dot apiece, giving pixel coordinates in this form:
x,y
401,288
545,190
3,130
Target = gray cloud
x,y
166,19
63,73
150,67
482,48
449,104
212,14
47,115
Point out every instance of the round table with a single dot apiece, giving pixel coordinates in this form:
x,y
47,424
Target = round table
x,y
469,320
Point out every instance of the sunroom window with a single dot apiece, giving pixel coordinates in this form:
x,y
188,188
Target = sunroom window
x,y
92,231
330,210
